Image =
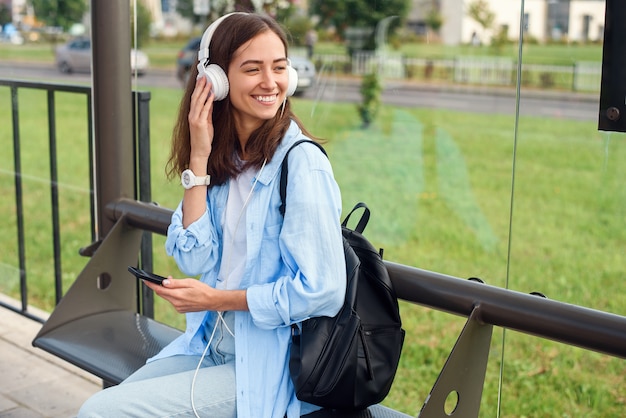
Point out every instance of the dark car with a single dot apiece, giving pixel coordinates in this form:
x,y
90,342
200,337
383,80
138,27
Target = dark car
x,y
187,58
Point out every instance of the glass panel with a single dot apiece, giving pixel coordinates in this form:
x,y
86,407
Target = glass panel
x,y
471,168
568,225
459,184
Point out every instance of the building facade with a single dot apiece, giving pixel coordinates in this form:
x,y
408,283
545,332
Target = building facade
x,y
542,20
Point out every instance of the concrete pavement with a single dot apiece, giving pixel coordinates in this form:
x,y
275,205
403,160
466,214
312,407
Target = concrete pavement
x,y
34,383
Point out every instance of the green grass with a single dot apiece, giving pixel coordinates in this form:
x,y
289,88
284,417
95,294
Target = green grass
x,y
552,54
439,186
162,53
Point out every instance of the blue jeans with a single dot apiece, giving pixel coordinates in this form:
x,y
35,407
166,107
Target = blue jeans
x,y
163,387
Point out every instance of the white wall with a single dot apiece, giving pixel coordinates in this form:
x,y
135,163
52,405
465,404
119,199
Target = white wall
x,y
537,11
459,27
578,10
451,30
507,13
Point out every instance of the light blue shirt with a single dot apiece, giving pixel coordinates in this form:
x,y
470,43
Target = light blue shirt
x,y
295,269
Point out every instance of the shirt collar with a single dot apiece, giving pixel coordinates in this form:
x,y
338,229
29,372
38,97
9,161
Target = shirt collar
x,y
272,168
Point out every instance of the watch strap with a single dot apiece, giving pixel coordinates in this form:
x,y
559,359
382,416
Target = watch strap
x,y
202,180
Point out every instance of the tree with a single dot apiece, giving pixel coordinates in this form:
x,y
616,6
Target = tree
x,y
59,13
342,14
370,98
480,12
434,20
281,10
5,15
144,20
185,9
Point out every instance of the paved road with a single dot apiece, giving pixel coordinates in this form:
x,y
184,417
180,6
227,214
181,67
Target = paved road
x,y
481,100
562,105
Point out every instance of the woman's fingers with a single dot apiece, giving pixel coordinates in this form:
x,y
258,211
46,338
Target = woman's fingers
x,y
201,101
200,117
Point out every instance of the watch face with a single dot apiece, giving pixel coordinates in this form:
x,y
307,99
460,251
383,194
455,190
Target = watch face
x,y
186,178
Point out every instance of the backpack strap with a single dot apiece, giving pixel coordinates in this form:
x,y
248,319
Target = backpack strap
x,y
285,169
365,218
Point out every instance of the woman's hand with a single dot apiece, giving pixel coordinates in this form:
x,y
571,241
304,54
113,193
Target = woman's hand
x,y
201,124
201,136
191,295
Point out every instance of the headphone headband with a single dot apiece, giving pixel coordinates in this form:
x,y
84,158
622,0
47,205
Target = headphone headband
x,y
216,75
203,53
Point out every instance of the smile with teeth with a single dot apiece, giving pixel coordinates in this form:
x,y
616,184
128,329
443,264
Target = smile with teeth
x,y
266,99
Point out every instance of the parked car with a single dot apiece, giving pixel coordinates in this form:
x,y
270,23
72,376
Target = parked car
x,y
306,73
187,58
75,56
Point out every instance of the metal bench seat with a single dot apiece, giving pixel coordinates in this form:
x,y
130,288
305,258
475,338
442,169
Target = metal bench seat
x,y
96,327
110,345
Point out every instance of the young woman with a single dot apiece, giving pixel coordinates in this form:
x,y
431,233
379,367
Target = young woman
x,y
259,272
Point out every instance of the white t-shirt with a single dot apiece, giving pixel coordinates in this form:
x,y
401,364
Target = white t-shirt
x,y
234,227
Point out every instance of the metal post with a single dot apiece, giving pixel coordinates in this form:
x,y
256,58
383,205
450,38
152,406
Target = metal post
x,y
19,199
141,106
112,107
459,387
613,87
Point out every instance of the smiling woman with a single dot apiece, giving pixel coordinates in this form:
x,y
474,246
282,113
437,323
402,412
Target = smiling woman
x,y
75,56
260,272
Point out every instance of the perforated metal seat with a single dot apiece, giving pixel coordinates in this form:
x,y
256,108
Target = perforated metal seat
x,y
96,325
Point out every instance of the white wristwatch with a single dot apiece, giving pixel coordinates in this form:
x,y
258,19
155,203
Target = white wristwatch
x,y
189,180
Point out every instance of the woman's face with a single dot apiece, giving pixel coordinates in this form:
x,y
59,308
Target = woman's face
x,y
258,80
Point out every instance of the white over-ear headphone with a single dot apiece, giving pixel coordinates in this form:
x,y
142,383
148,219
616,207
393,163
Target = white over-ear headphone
x,y
216,75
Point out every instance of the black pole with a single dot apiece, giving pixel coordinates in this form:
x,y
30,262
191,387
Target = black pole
x,y
112,107
612,112
141,102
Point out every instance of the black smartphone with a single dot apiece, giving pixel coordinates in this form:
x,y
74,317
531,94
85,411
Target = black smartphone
x,y
145,275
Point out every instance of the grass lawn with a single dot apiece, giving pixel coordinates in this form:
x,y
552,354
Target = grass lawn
x,y
162,53
439,185
553,54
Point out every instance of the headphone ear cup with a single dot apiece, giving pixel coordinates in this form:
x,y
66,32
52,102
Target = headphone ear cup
x,y
293,80
219,81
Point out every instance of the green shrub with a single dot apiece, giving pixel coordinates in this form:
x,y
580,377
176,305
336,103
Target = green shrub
x,y
370,94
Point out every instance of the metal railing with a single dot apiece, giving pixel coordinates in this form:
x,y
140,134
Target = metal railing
x,y
51,92
142,158
582,76
535,315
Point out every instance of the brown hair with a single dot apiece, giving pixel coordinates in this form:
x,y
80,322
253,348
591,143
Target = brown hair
x,y
233,32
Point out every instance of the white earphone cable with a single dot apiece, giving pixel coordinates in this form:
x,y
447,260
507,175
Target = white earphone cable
x,y
220,317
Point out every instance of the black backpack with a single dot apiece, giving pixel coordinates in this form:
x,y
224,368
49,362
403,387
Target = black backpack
x,y
349,361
